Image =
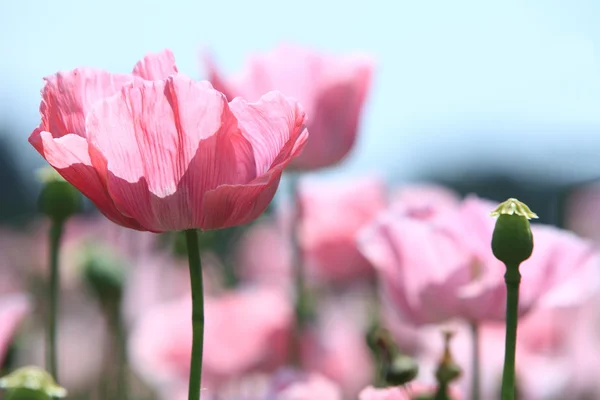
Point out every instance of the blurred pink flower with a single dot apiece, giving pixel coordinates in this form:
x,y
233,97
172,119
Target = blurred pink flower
x,y
246,330
582,215
440,268
331,214
284,384
13,309
583,347
423,200
264,254
332,91
154,279
157,151
402,393
305,387
335,345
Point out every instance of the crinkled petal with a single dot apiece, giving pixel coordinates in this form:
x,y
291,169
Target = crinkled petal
x,y
156,66
163,145
270,125
334,121
69,156
231,205
67,97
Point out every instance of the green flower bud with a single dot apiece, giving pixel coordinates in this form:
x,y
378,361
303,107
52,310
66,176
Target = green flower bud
x,y
512,241
104,272
448,370
31,383
402,370
58,198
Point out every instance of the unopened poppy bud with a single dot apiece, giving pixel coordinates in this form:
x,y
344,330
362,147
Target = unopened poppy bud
x,y
402,370
512,241
58,198
31,383
104,272
448,370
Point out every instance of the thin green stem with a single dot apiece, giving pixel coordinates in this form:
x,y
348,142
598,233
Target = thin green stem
x,y
441,392
512,279
56,230
122,364
299,274
476,362
191,236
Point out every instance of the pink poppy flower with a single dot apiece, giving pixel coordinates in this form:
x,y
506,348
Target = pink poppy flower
x,y
331,212
332,90
423,200
13,309
157,151
246,330
436,269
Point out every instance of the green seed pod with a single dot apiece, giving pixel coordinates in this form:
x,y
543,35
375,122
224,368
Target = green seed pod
x,y
402,370
512,241
448,370
31,383
104,272
58,198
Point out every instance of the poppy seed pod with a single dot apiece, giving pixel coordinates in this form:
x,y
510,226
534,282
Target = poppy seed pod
x,y
402,370
58,199
448,370
512,241
31,383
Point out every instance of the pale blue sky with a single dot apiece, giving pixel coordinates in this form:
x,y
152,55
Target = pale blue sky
x,y
457,82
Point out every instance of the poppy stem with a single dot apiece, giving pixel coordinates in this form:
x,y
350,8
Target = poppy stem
x,y
122,365
301,306
476,362
195,264
56,230
512,279
441,392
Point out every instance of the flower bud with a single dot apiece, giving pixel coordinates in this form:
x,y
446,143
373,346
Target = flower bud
x,y
31,383
448,370
104,272
402,370
58,198
512,241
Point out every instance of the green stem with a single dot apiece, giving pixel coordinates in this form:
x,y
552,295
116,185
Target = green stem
x,y
441,392
512,279
191,236
299,274
476,362
56,230
122,365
